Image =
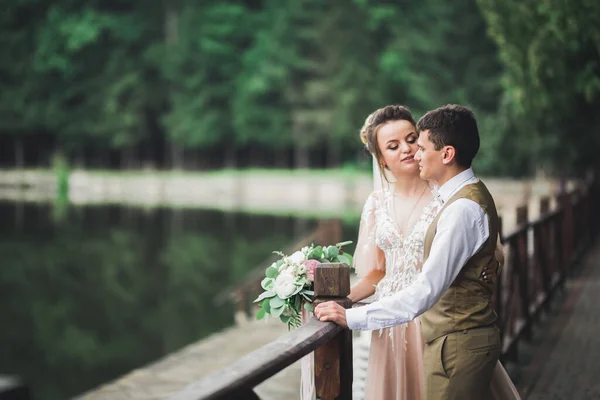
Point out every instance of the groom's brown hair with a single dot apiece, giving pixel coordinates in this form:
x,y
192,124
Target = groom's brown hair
x,y
453,125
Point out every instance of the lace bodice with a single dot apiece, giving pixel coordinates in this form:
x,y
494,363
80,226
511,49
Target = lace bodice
x,y
403,255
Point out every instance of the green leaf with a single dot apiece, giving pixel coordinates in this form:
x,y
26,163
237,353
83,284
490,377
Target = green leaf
x,y
342,244
261,313
266,304
285,318
264,295
276,302
271,272
307,298
309,307
276,312
332,251
345,258
315,254
267,283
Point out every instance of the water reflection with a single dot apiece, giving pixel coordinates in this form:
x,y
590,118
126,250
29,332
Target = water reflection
x,y
91,293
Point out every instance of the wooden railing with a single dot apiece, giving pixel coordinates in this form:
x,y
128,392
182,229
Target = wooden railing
x,y
332,346
540,255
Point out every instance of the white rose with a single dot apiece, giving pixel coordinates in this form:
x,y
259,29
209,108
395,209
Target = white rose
x,y
297,257
285,285
301,270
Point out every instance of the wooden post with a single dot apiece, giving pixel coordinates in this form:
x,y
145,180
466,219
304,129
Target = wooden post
x,y
540,240
544,205
333,360
566,204
525,273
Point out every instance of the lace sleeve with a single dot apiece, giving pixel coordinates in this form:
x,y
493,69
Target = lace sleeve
x,y
368,256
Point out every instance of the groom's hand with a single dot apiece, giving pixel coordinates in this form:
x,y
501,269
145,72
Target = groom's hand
x,y
333,312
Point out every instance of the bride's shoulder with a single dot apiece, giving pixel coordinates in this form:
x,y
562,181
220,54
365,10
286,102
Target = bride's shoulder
x,y
378,195
375,199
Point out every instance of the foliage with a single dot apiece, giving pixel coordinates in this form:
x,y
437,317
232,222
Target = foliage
x,y
551,54
288,282
248,83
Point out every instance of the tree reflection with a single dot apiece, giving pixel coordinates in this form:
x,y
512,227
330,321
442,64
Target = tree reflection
x,y
110,289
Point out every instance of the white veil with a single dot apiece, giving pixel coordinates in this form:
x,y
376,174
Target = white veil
x,y
379,182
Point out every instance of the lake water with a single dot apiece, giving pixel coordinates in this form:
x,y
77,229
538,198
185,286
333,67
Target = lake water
x,y
89,293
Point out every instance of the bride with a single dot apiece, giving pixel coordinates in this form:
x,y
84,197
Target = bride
x,y
389,255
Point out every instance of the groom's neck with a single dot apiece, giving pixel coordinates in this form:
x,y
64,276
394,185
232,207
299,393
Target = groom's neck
x,y
449,173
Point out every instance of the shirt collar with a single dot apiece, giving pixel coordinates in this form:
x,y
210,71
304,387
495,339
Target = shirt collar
x,y
449,188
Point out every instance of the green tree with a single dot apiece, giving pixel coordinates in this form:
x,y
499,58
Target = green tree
x,y
551,54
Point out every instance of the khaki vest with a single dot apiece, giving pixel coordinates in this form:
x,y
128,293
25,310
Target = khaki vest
x,y
467,302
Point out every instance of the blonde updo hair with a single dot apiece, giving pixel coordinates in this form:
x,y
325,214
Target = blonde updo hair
x,y
380,117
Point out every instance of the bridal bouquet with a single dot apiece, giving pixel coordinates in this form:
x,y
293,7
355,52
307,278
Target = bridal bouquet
x,y
289,282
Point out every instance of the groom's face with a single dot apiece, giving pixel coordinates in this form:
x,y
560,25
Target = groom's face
x,y
429,159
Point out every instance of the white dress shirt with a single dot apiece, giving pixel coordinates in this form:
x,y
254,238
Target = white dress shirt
x,y
462,229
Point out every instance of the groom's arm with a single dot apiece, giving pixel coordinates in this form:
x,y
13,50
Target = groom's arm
x,y
461,231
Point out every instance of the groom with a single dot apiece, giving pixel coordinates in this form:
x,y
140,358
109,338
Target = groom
x,y
453,300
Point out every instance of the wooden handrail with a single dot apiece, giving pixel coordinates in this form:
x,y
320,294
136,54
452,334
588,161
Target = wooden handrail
x,y
331,343
541,255
252,369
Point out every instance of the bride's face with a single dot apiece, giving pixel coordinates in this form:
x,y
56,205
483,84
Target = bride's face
x,y
397,141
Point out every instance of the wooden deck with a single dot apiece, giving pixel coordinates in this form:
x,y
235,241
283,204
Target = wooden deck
x,y
564,363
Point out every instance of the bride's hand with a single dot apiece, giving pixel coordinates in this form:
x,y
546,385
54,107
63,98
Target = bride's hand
x,y
491,272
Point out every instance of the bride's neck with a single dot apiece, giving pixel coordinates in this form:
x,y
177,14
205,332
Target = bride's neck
x,y
409,185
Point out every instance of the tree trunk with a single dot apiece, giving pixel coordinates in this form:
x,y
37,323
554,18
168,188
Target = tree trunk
x,y
334,153
172,39
301,159
80,159
19,155
281,160
230,160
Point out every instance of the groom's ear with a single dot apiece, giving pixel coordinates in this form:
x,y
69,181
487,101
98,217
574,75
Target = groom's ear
x,y
448,154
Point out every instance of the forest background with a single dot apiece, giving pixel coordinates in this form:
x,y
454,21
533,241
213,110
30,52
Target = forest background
x,y
205,85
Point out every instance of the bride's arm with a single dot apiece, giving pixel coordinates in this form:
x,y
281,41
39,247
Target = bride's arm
x,y
365,287
369,259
